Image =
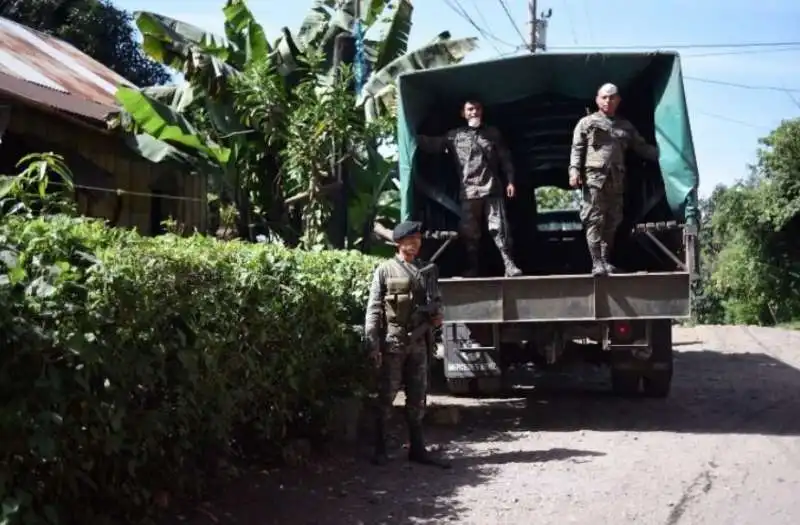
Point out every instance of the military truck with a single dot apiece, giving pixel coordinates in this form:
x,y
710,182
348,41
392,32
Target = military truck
x,y
557,312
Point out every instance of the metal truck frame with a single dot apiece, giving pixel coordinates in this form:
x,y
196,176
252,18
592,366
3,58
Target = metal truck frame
x,y
627,317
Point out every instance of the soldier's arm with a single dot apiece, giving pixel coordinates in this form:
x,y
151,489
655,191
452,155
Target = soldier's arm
x,y
373,323
435,144
506,160
578,152
640,145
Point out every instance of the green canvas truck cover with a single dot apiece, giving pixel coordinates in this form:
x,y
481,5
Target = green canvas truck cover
x,y
651,77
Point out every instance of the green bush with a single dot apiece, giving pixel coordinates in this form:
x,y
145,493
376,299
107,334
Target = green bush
x,y
133,367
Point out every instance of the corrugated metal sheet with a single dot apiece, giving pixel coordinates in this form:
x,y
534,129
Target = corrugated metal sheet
x,y
46,70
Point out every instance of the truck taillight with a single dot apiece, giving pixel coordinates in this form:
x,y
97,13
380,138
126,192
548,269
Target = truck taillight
x,y
622,330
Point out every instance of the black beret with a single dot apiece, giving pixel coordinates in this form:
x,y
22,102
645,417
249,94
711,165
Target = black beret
x,y
406,228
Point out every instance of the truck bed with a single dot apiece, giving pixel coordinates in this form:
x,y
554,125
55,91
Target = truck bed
x,y
553,298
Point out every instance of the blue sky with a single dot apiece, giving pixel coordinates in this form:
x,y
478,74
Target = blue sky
x,y
726,120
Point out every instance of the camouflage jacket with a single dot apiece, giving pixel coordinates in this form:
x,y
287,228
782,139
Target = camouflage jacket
x,y
479,153
600,142
390,308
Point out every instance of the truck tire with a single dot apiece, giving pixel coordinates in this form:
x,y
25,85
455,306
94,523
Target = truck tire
x,y
625,383
490,385
654,380
657,382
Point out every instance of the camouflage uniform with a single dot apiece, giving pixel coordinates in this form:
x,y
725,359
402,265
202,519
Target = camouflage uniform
x,y
397,289
599,145
479,154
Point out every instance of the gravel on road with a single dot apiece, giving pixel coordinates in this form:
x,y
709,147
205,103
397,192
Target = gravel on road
x,y
722,449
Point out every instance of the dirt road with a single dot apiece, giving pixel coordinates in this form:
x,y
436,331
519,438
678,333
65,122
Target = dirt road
x,y
723,449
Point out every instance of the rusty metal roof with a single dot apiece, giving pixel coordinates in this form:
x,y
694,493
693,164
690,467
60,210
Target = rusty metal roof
x,y
45,70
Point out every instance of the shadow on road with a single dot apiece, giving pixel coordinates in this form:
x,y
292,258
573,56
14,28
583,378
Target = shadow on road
x,y
349,490
712,393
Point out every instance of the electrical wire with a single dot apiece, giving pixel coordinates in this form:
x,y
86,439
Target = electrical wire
x,y
458,9
728,119
745,52
484,20
738,45
742,86
120,191
513,22
571,22
585,5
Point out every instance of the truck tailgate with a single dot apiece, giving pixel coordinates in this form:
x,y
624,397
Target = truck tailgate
x,y
566,298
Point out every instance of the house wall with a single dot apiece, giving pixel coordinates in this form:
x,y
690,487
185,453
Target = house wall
x,y
102,161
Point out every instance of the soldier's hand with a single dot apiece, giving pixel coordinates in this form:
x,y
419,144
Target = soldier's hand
x,y
375,357
574,180
511,191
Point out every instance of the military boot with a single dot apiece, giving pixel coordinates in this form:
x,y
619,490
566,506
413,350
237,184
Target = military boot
x,y
380,456
598,267
511,269
417,453
605,256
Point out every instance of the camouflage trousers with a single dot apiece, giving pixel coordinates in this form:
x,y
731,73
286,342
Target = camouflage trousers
x,y
492,212
410,368
601,212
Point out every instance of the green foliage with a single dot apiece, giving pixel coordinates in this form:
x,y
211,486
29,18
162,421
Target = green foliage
x,y
135,368
283,112
28,192
552,198
750,253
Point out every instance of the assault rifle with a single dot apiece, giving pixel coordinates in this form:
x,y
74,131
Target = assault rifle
x,y
426,311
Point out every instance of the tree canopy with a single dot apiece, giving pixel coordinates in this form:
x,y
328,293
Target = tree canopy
x,y
750,253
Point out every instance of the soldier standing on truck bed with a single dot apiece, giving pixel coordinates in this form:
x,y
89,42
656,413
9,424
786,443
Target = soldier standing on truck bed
x,y
599,144
404,304
479,151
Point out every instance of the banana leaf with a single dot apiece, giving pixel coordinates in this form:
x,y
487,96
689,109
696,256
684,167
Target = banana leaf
x,y
378,92
394,40
161,122
242,29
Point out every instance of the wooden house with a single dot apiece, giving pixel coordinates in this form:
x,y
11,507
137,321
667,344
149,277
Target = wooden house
x,y
56,98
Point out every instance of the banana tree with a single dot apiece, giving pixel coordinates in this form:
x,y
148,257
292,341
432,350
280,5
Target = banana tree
x,y
212,64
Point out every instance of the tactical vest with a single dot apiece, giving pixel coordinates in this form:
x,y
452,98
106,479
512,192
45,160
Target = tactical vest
x,y
404,294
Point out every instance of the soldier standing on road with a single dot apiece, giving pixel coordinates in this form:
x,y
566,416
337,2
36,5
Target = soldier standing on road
x,y
599,144
479,152
403,297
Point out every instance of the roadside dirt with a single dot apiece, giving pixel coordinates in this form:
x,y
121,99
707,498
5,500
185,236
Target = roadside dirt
x,y
722,449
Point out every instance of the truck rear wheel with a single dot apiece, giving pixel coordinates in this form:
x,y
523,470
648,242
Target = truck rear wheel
x,y
651,378
657,382
625,382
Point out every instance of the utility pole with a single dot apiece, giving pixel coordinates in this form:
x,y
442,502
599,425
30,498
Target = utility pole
x,y
538,33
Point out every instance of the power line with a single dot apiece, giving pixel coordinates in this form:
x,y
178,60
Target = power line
x,y
571,22
585,5
729,119
513,22
738,45
745,52
457,8
742,86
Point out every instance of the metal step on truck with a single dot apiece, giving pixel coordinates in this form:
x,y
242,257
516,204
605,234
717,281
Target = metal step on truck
x,y
557,311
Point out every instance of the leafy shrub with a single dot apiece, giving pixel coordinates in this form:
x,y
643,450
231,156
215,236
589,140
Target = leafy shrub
x,y
133,367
